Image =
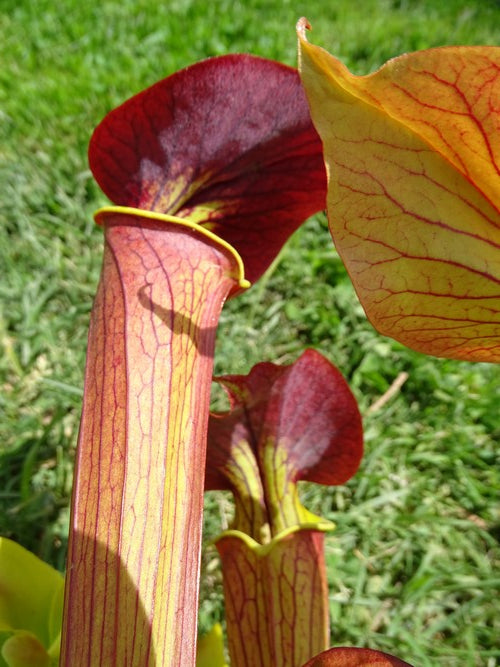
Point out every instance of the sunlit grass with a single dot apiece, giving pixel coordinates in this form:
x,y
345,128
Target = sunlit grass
x,y
414,562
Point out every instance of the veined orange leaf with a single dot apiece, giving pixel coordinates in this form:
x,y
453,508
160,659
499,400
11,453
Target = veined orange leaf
x,y
413,162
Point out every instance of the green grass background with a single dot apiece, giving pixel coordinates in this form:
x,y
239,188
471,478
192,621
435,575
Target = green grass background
x,y
414,563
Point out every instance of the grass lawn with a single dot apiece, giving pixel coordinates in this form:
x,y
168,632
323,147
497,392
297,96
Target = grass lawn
x,y
414,562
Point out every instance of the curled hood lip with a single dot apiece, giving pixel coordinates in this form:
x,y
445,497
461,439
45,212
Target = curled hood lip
x,y
106,213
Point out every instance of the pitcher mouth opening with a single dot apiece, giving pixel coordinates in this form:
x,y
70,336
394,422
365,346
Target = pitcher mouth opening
x,y
102,214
